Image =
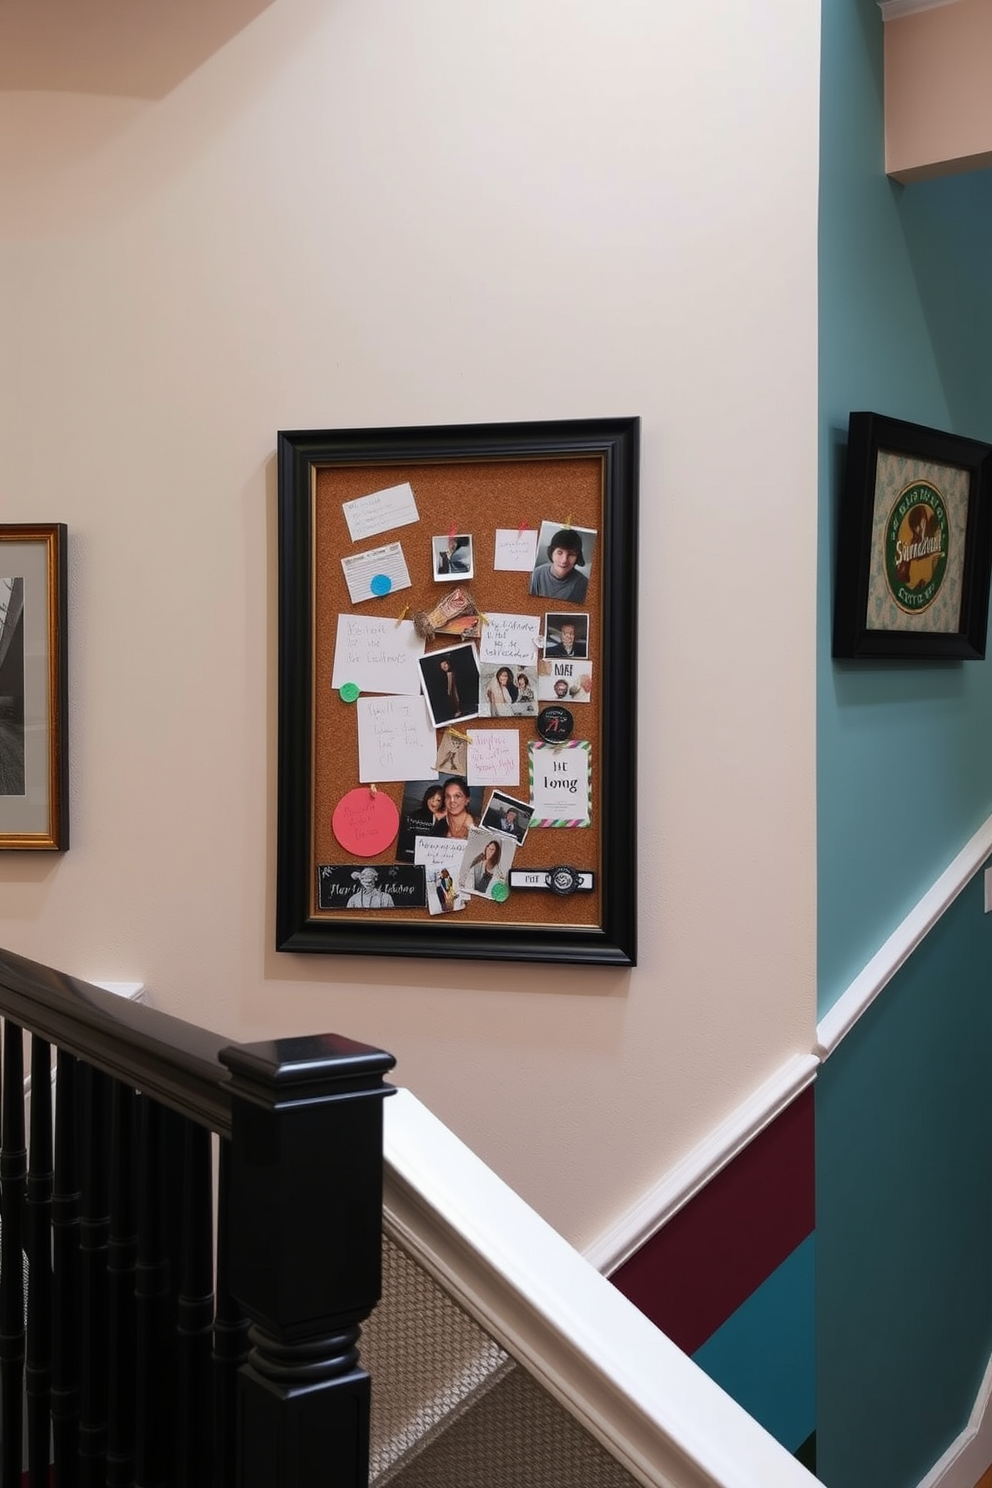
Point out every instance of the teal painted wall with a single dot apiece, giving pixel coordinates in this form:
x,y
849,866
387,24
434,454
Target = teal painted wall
x,y
904,1105
904,752
904,1213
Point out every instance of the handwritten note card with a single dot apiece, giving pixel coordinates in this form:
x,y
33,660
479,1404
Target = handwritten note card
x,y
560,784
395,739
439,852
375,573
365,824
493,756
378,655
393,507
515,550
511,638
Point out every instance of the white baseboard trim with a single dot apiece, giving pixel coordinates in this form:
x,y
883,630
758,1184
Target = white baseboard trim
x,y
903,942
970,1454
682,1182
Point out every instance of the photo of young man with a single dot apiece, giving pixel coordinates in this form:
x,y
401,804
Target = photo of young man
x,y
567,555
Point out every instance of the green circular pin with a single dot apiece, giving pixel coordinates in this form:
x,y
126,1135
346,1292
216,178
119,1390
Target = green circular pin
x,y
500,892
349,692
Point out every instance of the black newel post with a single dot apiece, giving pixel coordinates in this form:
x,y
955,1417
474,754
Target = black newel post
x,y
305,1235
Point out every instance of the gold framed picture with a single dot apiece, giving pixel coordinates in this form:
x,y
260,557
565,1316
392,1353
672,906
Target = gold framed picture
x,y
34,808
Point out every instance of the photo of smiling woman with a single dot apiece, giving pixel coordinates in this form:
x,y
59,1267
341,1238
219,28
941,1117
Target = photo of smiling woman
x,y
458,820
486,862
499,692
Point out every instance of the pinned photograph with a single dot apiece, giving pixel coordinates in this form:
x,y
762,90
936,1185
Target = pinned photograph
x,y
526,704
421,810
462,809
564,682
452,753
507,815
564,562
566,636
442,892
453,557
451,683
486,863
498,692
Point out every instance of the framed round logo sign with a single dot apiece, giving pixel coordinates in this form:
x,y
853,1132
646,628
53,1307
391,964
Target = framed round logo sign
x,y
914,543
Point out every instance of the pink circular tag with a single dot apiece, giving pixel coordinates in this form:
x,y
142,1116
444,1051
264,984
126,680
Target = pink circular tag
x,y
365,824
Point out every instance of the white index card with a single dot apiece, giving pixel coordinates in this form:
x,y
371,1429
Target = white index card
x,y
378,655
376,572
395,740
515,551
510,638
561,784
493,756
393,507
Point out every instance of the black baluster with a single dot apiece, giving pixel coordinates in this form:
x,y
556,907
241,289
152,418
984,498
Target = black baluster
x,y
230,1338
13,1172
306,1242
65,1279
194,1324
153,1299
122,1252
40,1176
94,1232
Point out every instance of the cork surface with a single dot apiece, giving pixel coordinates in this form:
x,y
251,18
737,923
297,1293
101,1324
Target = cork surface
x,y
468,497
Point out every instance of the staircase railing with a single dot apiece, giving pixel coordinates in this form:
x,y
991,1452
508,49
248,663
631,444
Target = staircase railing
x,y
188,1253
628,1386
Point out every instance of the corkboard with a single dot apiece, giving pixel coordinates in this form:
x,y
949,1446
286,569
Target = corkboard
x,y
472,497
465,479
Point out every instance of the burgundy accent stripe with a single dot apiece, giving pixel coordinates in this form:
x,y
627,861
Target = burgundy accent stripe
x,y
716,1251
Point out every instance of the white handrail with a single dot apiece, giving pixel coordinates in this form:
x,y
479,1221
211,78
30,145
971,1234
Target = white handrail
x,y
652,1408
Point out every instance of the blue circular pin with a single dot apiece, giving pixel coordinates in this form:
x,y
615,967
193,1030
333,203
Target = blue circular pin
x,y
381,584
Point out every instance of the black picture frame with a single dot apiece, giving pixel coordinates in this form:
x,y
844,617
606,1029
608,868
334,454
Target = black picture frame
x,y
34,767
301,454
914,548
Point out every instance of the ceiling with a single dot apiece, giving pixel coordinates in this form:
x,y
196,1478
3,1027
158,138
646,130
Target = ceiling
x,y
129,48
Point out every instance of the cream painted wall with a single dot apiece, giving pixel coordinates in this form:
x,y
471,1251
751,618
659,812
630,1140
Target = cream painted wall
x,y
366,212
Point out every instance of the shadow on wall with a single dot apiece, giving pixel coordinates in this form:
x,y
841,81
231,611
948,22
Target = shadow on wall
x,y
90,126
948,227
